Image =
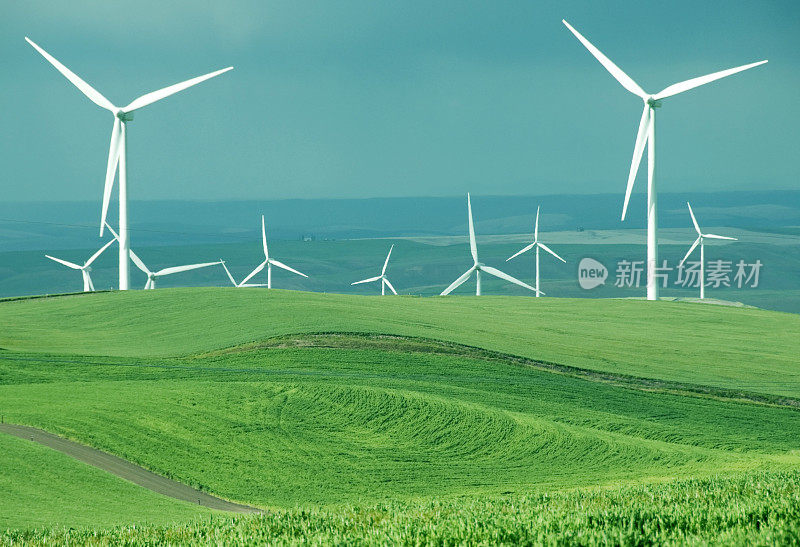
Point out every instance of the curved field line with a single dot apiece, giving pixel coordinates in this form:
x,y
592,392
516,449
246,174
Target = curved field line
x,y
371,340
124,469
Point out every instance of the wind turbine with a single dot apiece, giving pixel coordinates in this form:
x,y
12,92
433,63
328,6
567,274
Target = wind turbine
x,y
268,262
536,245
88,286
479,267
152,276
239,285
699,241
384,280
646,135
117,152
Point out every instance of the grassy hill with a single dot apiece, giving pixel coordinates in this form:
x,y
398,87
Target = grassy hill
x,y
745,349
410,400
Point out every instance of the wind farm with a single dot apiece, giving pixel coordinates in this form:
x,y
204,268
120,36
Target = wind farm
x,y
582,395
646,136
478,267
117,156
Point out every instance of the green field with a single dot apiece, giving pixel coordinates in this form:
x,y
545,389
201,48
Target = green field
x,y
363,417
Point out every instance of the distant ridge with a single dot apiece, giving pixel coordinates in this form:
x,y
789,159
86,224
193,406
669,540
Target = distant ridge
x,y
55,225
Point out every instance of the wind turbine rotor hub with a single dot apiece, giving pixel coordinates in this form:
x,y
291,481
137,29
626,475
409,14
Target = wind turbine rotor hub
x,y
123,116
652,102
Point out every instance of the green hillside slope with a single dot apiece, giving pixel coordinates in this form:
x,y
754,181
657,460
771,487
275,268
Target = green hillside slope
x,y
736,348
41,487
287,426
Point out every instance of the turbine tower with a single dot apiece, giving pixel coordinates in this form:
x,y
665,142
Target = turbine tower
x,y
88,286
268,262
536,245
479,267
646,135
117,153
699,241
384,280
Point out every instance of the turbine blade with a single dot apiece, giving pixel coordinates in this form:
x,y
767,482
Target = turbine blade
x,y
85,88
110,229
497,273
455,284
114,150
89,279
254,272
680,87
227,271
64,262
370,280
626,81
549,250
138,261
178,269
638,150
154,96
536,226
524,249
473,246
285,267
390,286
714,236
386,262
264,238
692,248
694,220
98,253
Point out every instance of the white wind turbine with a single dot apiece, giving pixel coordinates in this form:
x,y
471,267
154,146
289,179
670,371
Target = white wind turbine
x,y
86,268
478,267
384,280
268,262
239,285
699,241
152,276
117,153
646,135
536,245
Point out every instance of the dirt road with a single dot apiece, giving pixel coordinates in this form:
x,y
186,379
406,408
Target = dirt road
x,y
124,469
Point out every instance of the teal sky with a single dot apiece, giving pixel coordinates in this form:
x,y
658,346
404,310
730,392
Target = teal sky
x,y
366,99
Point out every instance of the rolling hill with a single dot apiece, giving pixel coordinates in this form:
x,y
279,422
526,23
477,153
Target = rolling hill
x,y
349,405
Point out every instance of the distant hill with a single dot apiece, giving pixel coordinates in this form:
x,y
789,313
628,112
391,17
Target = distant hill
x,y
67,225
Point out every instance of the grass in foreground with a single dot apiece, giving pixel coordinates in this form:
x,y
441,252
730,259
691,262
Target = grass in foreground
x,y
42,487
301,426
752,509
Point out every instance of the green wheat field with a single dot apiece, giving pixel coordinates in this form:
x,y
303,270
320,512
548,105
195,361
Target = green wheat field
x,y
362,419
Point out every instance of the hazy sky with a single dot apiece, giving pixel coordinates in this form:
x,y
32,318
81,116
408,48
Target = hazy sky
x,y
364,99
